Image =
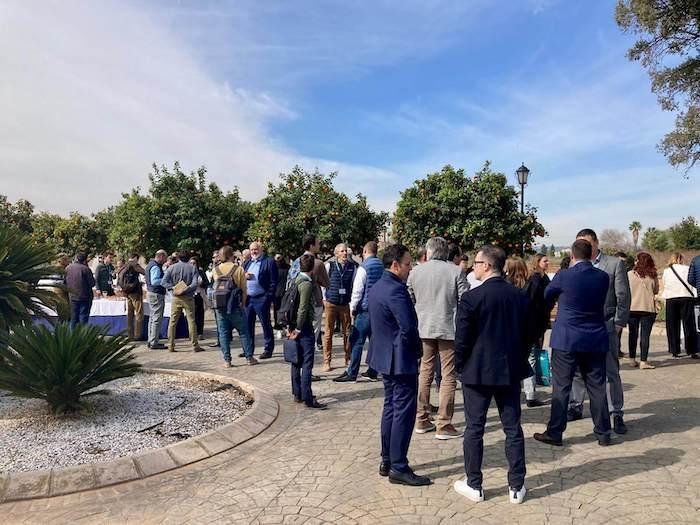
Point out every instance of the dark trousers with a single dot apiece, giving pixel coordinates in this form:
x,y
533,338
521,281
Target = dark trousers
x,y
679,311
80,312
640,322
301,375
592,366
477,399
398,418
199,313
260,307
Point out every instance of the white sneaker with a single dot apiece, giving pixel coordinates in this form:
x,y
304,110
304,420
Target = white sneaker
x,y
462,487
517,496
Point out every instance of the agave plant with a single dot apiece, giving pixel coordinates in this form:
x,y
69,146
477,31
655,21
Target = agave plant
x,y
22,264
61,364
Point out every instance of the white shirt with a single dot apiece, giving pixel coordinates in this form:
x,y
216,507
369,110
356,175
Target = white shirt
x,y
673,287
358,288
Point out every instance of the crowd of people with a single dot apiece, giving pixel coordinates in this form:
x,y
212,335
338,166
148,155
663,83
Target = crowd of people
x,y
438,320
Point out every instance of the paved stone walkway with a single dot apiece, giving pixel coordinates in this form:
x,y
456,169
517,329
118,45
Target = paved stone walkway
x,y
321,466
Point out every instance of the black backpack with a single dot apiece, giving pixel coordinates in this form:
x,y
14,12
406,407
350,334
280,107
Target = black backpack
x,y
287,313
227,294
130,280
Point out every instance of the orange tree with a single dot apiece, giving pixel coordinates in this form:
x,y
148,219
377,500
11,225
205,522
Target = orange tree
x,y
180,211
304,202
469,211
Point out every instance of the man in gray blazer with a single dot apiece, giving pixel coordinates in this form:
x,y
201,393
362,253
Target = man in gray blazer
x,y
617,311
435,288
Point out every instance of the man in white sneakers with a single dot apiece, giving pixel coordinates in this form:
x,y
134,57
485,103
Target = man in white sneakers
x,y
492,338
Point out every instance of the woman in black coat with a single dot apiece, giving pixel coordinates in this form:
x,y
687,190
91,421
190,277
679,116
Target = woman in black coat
x,y
534,289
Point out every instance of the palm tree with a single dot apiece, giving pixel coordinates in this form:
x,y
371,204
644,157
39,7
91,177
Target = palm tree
x,y
22,265
635,228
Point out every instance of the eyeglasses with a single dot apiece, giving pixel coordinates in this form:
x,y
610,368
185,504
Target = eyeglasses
x,y
480,262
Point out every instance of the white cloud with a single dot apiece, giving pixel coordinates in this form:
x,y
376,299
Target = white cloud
x,y
93,93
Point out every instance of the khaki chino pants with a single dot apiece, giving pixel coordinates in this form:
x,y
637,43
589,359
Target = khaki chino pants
x,y
333,312
179,305
431,347
134,315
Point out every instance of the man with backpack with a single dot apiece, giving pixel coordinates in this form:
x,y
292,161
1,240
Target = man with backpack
x,y
302,330
156,299
130,283
228,297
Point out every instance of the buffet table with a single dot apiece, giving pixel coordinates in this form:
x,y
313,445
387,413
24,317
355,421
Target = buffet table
x,y
112,314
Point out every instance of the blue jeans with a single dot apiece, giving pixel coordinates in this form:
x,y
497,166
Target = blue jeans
x,y
301,376
361,330
225,323
79,312
260,307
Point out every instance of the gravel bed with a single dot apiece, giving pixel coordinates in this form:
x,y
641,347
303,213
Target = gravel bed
x,y
113,425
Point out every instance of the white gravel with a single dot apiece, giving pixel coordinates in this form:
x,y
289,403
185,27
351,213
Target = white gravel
x,y
31,438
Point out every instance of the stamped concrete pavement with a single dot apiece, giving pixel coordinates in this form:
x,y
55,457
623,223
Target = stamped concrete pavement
x,y
321,466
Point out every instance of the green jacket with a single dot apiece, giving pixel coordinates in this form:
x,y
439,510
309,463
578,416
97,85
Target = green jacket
x,y
305,313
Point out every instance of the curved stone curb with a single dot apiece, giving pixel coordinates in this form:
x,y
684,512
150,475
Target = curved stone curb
x,y
59,481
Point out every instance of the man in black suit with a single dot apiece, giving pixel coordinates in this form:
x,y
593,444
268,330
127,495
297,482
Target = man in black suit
x,y
491,351
580,340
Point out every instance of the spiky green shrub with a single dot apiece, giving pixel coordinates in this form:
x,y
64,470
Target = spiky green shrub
x,y
22,264
61,364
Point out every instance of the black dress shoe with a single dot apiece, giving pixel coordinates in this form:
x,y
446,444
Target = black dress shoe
x,y
298,399
316,404
315,378
158,346
546,438
241,354
573,415
604,442
409,478
532,403
384,469
695,356
265,355
619,425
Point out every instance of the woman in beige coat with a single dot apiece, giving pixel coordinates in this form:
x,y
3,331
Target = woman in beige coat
x,y
644,285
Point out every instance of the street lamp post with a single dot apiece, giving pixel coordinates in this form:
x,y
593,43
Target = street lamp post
x,y
523,173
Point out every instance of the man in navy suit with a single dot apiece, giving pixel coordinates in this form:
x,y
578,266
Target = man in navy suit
x,y
579,340
492,335
394,351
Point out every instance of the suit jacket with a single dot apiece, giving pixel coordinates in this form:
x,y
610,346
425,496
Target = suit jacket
x,y
619,297
435,288
580,323
268,275
493,332
395,346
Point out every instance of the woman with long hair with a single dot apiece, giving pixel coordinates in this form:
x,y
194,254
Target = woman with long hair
x,y
644,285
517,274
680,306
534,288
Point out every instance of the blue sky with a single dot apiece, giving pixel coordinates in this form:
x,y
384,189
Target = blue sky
x,y
383,92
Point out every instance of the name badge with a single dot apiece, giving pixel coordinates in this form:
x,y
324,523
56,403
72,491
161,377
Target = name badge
x,y
341,291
